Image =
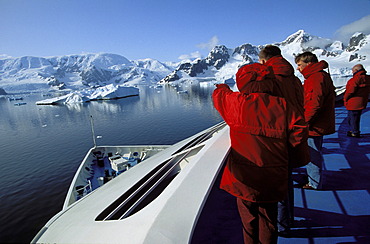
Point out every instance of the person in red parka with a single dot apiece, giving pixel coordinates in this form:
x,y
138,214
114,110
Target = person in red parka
x,y
319,105
288,85
356,97
262,129
290,88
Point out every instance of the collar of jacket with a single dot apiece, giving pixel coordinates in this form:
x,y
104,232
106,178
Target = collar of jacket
x,y
314,68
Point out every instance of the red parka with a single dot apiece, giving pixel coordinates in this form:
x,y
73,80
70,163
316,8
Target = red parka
x,y
289,85
262,128
319,99
357,91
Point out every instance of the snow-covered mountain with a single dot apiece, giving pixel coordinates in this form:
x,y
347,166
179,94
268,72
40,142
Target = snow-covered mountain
x,y
222,62
93,70
77,71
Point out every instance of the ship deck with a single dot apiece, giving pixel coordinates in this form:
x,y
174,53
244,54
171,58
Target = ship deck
x,y
340,213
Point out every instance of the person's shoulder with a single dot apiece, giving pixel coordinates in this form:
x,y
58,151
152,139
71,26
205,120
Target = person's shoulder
x,y
356,80
319,76
351,81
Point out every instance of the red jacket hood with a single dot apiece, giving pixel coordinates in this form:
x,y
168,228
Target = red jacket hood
x,y
280,66
260,75
314,68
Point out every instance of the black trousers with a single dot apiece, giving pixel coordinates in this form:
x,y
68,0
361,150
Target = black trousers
x,y
354,117
259,221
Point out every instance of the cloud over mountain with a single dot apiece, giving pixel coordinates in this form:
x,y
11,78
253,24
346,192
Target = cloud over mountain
x,y
191,56
210,44
345,32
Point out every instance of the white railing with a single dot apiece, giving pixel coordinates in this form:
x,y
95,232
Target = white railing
x,y
83,191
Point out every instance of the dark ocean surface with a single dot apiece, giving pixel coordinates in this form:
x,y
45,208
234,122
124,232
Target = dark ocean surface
x,y
42,146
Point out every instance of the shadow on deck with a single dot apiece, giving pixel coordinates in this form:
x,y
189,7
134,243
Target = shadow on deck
x,y
340,213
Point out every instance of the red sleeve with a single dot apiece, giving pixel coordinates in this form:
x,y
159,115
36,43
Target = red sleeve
x,y
224,101
299,154
313,96
219,95
350,89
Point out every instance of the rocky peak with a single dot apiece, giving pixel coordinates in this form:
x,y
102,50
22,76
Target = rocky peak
x,y
355,42
299,37
218,56
2,91
247,51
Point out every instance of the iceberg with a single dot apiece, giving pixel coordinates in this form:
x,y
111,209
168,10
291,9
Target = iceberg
x,y
113,92
71,98
102,93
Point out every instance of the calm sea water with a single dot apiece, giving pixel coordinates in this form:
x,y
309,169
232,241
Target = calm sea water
x,y
41,147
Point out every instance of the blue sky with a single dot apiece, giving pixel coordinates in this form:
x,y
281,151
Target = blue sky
x,y
167,29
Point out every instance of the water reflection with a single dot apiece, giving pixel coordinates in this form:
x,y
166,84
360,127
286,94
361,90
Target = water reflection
x,y
42,145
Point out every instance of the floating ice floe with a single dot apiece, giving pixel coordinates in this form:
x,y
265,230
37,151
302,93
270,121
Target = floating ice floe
x,y
19,104
15,98
182,92
74,97
113,92
102,93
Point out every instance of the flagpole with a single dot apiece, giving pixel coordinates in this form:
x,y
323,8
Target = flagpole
x,y
92,129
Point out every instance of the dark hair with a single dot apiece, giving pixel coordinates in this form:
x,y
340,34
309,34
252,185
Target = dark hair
x,y
269,51
306,57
